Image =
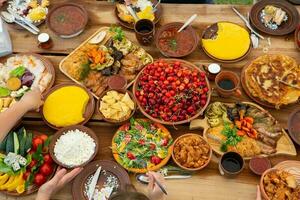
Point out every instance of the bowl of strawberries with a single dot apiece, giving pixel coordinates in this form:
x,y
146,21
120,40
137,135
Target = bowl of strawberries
x,y
172,91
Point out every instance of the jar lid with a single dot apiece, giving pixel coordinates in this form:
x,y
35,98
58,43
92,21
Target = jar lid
x,y
43,37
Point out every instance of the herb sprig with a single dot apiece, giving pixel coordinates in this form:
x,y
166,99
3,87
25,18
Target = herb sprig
x,y
232,138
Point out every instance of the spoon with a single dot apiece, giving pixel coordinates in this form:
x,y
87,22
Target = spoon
x,y
7,17
188,22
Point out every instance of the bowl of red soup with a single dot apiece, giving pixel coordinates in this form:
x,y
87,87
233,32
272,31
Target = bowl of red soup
x,y
173,44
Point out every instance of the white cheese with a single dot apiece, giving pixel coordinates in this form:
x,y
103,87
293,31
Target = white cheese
x,y
74,148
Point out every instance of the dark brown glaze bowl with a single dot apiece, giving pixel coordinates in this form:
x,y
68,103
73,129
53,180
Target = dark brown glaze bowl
x,y
89,110
297,37
191,169
199,112
121,121
177,25
61,131
110,167
158,15
294,126
286,27
61,31
258,165
210,32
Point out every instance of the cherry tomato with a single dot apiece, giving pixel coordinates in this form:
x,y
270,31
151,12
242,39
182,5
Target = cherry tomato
x,y
44,137
155,160
130,156
48,159
39,179
26,175
142,142
36,142
32,163
46,169
152,146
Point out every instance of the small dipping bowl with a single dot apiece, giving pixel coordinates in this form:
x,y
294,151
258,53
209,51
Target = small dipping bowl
x,y
233,78
294,126
231,164
117,82
45,41
258,165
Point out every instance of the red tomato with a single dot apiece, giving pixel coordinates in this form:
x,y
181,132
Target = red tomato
x,y
152,146
165,140
130,156
44,137
36,142
48,159
32,163
26,175
155,160
46,169
39,179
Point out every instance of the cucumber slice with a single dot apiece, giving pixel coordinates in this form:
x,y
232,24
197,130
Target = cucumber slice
x,y
3,144
23,143
16,143
28,142
9,143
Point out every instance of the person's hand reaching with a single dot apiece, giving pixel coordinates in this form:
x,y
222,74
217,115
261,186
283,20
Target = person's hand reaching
x,y
258,194
60,179
1,3
154,192
32,100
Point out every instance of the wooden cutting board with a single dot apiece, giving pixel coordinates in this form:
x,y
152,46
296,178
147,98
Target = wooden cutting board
x,y
284,146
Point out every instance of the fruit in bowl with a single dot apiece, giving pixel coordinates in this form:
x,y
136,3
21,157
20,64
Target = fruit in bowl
x,y
172,91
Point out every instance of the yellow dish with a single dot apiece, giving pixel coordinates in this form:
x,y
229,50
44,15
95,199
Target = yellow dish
x,y
231,42
66,106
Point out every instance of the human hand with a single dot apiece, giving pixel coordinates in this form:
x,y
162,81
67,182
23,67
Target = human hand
x,y
60,179
32,100
258,194
154,191
1,2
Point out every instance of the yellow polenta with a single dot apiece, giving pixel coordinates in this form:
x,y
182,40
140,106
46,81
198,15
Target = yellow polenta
x,y
66,106
232,42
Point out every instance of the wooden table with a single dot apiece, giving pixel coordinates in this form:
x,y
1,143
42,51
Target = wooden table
x,y
206,184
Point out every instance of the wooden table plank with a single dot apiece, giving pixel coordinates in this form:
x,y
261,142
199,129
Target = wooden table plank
x,y
206,184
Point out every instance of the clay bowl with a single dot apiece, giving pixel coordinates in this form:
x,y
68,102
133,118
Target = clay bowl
x,y
158,14
176,25
89,110
297,37
285,28
111,169
191,169
61,131
259,162
293,130
112,120
261,185
210,32
48,66
59,30
199,112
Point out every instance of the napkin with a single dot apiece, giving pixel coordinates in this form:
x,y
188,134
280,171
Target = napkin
x,y
5,42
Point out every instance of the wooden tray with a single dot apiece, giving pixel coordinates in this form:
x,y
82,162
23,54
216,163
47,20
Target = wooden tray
x,y
107,37
158,14
48,65
111,168
200,111
135,170
285,28
90,107
32,188
285,146
256,99
211,28
60,132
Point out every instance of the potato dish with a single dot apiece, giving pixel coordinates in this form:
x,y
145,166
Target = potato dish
x,y
191,151
116,106
279,184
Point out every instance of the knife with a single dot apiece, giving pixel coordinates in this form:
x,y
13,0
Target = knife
x,y
247,22
18,17
132,13
93,184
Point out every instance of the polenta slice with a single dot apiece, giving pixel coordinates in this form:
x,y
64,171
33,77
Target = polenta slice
x,y
66,106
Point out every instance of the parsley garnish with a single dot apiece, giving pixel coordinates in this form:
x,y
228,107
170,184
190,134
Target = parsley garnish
x,y
232,138
119,34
